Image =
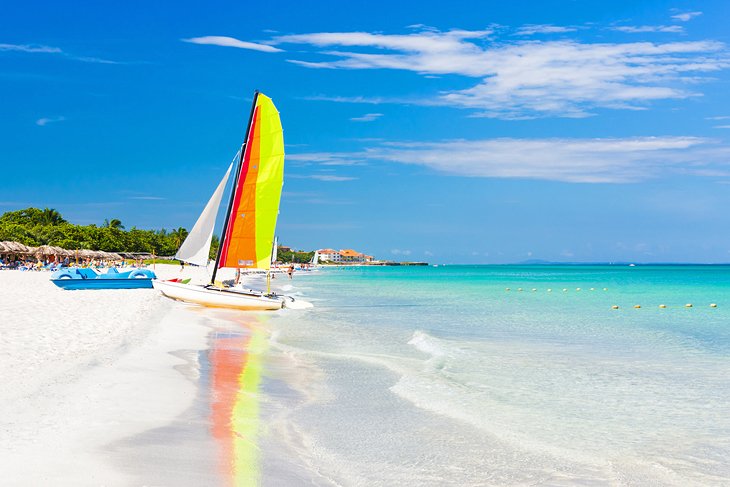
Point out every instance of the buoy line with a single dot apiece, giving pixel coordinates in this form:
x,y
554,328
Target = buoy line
x,y
664,306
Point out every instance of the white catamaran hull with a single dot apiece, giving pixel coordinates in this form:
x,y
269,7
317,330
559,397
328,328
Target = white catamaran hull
x,y
219,297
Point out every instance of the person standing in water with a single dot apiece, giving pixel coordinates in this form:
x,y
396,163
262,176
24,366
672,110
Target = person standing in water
x,y
291,271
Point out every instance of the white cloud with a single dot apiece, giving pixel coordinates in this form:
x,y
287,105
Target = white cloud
x,y
530,29
231,42
42,122
722,117
89,59
29,48
423,42
400,252
147,198
368,117
324,177
686,16
722,126
607,160
526,79
325,159
637,29
36,48
355,99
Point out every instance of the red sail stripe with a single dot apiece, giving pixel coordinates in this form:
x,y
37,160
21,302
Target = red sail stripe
x,y
239,190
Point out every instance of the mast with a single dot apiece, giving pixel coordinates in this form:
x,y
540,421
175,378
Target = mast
x,y
235,185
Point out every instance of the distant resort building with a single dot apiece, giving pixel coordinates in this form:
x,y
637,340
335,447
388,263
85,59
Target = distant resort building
x,y
344,256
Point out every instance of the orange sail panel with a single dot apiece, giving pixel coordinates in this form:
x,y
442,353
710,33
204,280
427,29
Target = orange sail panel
x,y
249,235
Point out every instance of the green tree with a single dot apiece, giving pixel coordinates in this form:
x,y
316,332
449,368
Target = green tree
x,y
214,244
113,223
49,216
178,236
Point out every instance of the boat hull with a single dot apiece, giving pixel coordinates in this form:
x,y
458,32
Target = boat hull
x,y
217,297
78,284
79,279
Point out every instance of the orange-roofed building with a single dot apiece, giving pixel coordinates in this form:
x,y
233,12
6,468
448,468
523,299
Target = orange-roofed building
x,y
329,255
343,256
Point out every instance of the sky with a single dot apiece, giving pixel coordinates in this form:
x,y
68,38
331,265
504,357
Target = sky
x,y
478,132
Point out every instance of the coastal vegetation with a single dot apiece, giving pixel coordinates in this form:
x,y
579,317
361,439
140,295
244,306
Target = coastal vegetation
x,y
295,256
34,227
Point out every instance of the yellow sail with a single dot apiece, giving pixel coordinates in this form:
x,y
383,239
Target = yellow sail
x,y
249,234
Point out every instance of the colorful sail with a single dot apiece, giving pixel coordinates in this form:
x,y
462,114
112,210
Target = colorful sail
x,y
249,235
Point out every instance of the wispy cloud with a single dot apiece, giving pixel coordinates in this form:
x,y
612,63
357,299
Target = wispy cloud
x,y
525,79
356,99
400,251
721,117
29,48
638,29
531,29
147,198
722,126
368,117
686,16
325,159
37,48
97,60
42,122
331,178
231,42
607,160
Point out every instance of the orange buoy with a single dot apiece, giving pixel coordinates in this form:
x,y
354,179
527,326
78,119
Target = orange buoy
x,y
662,305
637,306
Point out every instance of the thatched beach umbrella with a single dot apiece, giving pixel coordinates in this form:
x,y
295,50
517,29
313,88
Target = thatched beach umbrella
x,y
65,252
16,247
45,250
85,253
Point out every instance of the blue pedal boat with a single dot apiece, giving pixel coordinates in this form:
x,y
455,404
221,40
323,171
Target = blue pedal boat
x,y
83,278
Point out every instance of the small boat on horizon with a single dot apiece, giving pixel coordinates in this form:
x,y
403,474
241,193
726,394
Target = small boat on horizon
x,y
247,240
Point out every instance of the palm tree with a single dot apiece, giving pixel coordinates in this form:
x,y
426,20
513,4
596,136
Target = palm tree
x,y
49,216
114,223
178,236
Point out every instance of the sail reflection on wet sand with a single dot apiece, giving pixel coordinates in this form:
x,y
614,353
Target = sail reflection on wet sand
x,y
235,361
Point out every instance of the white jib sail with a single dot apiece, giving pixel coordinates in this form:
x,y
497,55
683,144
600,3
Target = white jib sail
x,y
196,247
275,250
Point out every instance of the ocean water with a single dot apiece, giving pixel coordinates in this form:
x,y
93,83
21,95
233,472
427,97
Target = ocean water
x,y
442,376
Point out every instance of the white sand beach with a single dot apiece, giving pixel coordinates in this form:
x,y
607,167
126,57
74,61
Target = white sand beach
x,y
83,369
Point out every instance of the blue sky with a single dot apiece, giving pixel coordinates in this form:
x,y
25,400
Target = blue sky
x,y
485,132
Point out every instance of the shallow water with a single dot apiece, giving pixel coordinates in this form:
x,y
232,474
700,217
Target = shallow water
x,y
433,376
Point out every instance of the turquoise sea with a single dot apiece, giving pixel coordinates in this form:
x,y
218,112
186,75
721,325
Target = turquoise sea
x,y
442,376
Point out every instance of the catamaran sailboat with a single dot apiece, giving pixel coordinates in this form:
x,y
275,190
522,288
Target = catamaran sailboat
x,y
248,231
